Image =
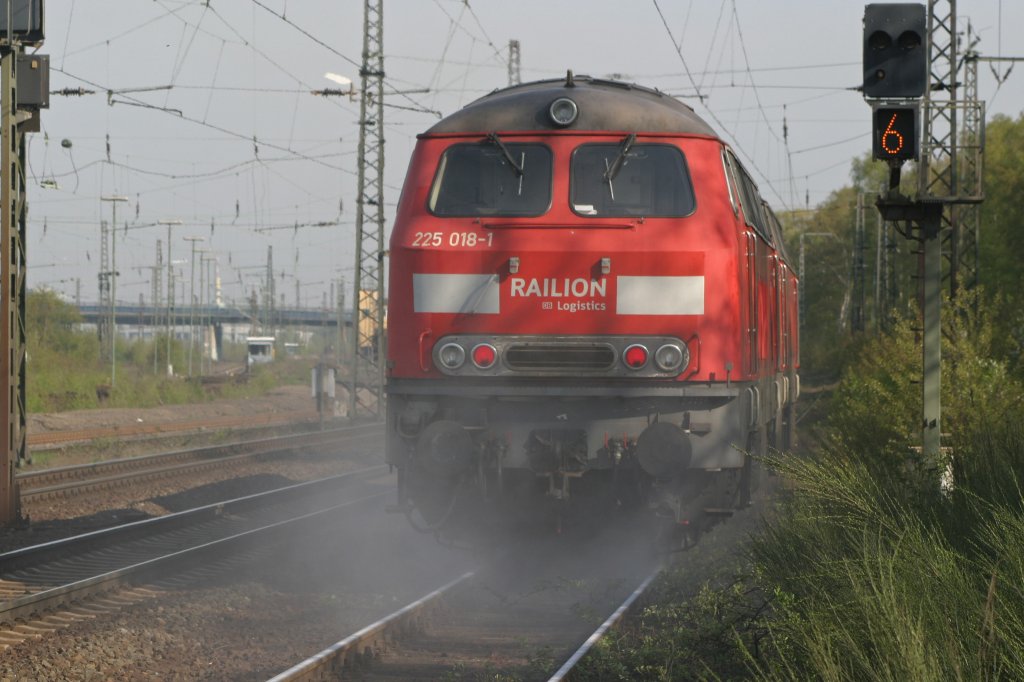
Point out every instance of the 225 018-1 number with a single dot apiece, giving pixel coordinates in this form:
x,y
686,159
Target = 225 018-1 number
x,y
470,240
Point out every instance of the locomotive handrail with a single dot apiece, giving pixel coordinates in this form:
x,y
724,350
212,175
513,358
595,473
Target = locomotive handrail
x,y
423,363
696,370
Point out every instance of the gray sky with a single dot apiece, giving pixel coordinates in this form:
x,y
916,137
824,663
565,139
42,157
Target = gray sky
x,y
242,69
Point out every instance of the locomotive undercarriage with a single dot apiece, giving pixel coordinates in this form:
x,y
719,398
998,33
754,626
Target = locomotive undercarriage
x,y
474,461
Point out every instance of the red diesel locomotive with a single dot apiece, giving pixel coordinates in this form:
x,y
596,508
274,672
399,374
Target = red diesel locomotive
x,y
590,307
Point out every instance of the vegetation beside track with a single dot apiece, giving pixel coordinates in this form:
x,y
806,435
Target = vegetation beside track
x,y
65,371
873,563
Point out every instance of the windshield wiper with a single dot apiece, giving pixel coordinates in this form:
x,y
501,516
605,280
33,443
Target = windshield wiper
x,y
496,141
517,167
612,170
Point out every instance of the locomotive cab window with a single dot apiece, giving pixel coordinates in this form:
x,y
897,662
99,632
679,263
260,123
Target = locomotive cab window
x,y
492,178
628,179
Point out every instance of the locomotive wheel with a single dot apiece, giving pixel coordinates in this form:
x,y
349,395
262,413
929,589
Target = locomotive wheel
x,y
444,449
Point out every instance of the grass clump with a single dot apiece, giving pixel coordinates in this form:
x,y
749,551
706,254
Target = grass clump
x,y
882,570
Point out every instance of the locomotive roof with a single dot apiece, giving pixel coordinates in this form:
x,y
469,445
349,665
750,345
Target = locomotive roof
x,y
602,104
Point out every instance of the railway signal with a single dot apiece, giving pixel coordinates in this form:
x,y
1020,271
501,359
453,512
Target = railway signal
x,y
895,58
895,132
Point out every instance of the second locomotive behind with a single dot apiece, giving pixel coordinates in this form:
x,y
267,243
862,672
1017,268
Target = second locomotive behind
x,y
590,307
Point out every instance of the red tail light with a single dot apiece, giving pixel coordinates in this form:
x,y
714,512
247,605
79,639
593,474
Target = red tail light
x,y
635,356
484,355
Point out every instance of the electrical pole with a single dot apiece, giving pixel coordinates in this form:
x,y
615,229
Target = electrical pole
x,y
859,268
202,308
192,301
156,296
114,201
268,293
340,311
802,274
368,352
170,291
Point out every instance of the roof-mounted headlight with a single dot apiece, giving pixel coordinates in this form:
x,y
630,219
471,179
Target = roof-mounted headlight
x,y
563,112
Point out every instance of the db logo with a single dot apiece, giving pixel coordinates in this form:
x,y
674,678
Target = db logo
x,y
547,305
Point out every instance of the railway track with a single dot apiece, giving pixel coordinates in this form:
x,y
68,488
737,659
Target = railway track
x,y
360,647
603,629
72,480
46,586
481,616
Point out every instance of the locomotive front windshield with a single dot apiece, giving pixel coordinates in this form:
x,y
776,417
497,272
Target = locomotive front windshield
x,y
628,179
492,178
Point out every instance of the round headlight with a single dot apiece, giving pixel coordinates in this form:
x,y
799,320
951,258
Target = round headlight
x,y
635,356
484,355
563,112
671,357
451,356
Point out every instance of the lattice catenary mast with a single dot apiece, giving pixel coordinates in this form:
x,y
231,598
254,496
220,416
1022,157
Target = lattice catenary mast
x,y
366,355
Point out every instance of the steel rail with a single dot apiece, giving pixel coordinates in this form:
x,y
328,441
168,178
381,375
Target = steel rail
x,y
63,480
328,663
33,560
602,629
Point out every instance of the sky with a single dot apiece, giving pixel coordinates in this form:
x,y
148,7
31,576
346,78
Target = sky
x,y
203,113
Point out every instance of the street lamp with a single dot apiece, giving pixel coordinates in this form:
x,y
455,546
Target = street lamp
x,y
114,200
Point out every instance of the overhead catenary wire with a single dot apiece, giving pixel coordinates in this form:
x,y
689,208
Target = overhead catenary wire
x,y
700,97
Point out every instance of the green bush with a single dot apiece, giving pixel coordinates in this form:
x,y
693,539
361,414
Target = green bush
x,y
880,572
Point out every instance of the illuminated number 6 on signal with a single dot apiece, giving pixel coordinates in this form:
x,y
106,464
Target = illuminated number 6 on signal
x,y
890,132
894,134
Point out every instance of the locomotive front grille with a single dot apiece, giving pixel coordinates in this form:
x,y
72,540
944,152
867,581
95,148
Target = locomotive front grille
x,y
565,357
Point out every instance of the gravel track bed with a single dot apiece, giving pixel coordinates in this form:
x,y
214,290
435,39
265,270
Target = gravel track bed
x,y
252,623
255,622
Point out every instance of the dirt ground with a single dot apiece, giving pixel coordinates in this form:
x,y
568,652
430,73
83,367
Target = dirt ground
x,y
285,399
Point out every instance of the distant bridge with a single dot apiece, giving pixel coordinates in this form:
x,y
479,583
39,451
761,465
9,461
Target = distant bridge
x,y
152,316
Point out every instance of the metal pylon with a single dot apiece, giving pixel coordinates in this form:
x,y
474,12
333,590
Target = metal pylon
x,y
971,140
13,264
514,77
951,152
103,326
366,357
